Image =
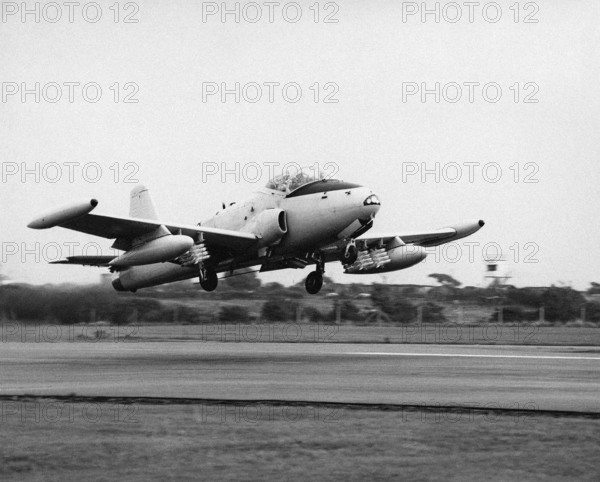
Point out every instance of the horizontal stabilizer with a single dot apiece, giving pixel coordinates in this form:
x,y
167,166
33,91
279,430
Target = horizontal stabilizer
x,y
100,261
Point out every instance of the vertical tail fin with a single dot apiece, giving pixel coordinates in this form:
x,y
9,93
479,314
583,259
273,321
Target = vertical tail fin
x,y
141,205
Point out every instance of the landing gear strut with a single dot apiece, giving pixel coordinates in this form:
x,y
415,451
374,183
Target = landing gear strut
x,y
208,279
314,281
350,254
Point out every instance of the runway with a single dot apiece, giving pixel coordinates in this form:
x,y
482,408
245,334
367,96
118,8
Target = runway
x,y
495,377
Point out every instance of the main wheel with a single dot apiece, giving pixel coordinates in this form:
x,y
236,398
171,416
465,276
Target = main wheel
x,y
350,255
210,281
314,282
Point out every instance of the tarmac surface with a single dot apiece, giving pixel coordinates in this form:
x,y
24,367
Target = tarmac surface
x,y
494,377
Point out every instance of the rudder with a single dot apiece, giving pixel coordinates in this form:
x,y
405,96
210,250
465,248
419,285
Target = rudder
x,y
141,205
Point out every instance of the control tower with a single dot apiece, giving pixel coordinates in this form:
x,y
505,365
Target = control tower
x,y
496,273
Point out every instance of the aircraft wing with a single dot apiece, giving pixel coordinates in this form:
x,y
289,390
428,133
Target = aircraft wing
x,y
424,238
112,227
125,229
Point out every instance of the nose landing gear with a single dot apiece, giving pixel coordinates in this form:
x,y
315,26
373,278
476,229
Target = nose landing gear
x,y
314,281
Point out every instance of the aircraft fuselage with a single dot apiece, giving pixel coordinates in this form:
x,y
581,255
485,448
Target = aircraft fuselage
x,y
323,214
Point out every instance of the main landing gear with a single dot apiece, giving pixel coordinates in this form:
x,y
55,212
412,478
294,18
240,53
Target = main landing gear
x,y
314,281
208,279
350,254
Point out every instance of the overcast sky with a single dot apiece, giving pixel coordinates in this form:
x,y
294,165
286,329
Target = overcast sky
x,y
530,105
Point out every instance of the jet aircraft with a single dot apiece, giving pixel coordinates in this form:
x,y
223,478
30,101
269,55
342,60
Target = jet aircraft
x,y
293,222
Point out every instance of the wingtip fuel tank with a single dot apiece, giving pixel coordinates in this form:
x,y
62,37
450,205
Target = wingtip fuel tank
x,y
62,215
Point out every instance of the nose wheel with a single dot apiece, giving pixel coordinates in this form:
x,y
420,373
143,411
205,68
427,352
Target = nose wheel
x,y
208,279
314,282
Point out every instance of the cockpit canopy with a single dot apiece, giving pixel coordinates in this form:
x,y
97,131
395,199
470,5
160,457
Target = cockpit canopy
x,y
308,181
293,179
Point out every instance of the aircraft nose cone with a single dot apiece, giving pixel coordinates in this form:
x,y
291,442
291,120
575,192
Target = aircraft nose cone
x,y
372,204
